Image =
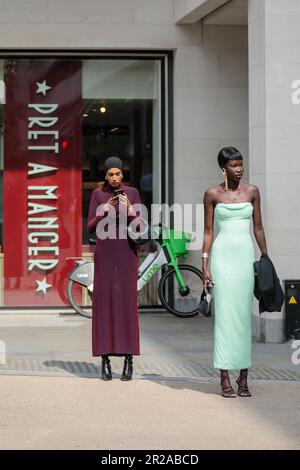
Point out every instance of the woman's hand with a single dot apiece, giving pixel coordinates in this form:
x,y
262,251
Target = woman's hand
x,y
124,200
207,279
113,201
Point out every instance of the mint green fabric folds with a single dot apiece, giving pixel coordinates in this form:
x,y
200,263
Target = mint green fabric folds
x,y
231,267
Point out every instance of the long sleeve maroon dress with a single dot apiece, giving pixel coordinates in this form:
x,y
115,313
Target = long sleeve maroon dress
x,y
115,326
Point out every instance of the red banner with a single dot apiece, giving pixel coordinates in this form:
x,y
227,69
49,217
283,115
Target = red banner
x,y
42,179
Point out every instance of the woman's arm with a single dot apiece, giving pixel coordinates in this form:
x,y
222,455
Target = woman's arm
x,y
208,234
93,217
134,212
257,221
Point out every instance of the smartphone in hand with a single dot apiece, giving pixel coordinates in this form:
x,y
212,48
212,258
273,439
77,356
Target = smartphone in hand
x,y
117,192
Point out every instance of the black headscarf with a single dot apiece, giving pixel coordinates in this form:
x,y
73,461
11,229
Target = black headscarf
x,y
113,162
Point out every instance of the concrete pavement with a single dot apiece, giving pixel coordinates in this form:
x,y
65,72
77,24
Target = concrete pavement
x,y
52,398
80,413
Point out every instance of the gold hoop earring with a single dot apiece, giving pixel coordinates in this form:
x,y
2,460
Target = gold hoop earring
x,y
225,180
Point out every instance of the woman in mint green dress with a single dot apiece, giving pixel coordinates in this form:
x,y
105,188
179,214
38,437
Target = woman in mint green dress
x,y
231,254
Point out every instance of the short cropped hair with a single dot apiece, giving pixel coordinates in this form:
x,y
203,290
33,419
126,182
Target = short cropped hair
x,y
228,153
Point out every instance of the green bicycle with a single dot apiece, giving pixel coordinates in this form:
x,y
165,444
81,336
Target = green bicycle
x,y
179,288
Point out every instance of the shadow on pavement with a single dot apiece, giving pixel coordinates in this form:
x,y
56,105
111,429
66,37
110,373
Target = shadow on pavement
x,y
206,385
79,368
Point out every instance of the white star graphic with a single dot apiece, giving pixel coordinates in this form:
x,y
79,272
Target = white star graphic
x,y
42,285
42,87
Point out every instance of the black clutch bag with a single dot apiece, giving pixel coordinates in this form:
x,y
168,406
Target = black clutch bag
x,y
204,303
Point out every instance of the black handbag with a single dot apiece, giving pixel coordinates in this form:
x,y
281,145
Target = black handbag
x,y
143,235
204,304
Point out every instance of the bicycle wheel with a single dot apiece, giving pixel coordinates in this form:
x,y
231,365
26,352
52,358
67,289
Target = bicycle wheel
x,y
82,310
179,303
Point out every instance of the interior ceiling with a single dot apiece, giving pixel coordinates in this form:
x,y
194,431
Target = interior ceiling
x,y
116,111
235,12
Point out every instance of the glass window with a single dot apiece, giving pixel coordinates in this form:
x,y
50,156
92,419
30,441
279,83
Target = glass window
x,y
60,118
121,116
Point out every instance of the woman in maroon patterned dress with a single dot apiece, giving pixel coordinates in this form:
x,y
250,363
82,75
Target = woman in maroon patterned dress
x,y
115,327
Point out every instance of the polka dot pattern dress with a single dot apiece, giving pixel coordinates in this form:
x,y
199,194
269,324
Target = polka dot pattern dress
x,y
115,326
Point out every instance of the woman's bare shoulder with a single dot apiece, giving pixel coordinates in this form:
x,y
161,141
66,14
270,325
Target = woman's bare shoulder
x,y
251,189
212,193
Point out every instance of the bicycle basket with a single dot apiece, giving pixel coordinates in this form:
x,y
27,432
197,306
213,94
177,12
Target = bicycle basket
x,y
178,241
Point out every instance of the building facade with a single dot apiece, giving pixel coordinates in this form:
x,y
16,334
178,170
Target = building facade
x,y
163,83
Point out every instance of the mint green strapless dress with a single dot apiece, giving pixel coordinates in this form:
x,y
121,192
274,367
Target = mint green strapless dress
x,y
232,271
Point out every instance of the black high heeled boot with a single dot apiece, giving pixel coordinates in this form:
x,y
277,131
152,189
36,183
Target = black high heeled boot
x,y
106,368
128,367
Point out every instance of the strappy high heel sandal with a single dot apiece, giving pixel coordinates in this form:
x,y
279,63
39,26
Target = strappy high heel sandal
x,y
243,390
227,392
